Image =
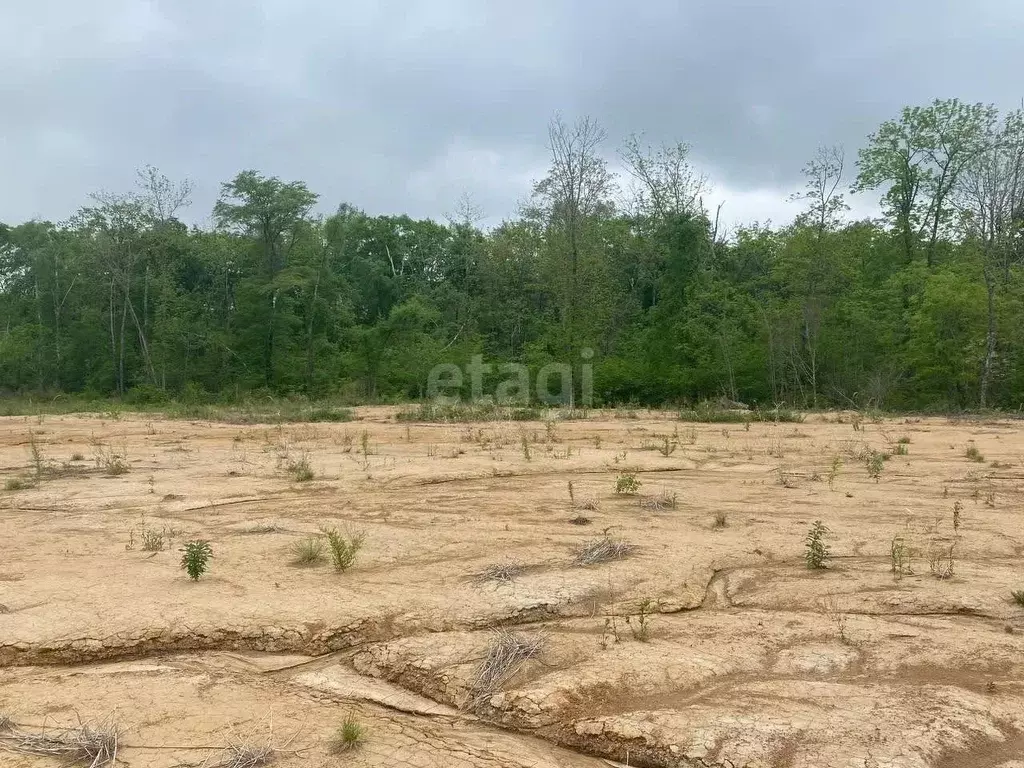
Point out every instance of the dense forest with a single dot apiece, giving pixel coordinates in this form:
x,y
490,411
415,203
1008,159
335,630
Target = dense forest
x,y
922,308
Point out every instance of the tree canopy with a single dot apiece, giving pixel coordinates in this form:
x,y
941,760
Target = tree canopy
x,y
922,308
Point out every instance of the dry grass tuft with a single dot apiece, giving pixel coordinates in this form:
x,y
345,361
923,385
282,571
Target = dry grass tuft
x,y
86,744
503,573
243,755
603,550
506,655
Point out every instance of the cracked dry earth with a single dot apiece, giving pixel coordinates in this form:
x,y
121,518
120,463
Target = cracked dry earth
x,y
750,658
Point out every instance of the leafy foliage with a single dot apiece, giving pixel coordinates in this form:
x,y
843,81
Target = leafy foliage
x,y
195,558
817,552
276,307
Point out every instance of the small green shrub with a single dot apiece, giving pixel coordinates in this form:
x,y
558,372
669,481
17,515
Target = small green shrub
x,y
195,558
627,485
818,552
308,551
343,548
77,457
973,453
348,736
721,520
1018,597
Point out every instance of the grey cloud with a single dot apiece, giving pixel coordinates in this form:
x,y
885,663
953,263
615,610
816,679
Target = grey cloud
x,y
402,106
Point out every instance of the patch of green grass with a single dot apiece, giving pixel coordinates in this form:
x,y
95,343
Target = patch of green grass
x,y
308,551
348,736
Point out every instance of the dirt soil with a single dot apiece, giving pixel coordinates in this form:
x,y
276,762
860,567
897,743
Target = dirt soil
x,y
709,643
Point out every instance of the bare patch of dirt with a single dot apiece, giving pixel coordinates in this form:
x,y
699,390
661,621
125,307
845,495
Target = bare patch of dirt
x,y
708,643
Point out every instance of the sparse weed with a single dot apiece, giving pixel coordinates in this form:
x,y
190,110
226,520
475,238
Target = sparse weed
x,y
721,520
343,548
875,463
833,471
831,608
958,508
640,624
300,470
941,562
152,540
899,555
1018,597
111,461
660,501
668,447
973,453
818,552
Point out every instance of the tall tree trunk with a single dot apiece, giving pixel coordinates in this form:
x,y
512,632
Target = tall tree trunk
x,y
990,340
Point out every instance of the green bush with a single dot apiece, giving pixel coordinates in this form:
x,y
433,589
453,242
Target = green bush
x,y
195,558
343,548
817,552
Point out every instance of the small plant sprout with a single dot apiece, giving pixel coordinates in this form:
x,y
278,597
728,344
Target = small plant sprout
x,y
572,495
833,472
343,548
817,552
958,508
627,485
195,558
831,608
721,520
668,447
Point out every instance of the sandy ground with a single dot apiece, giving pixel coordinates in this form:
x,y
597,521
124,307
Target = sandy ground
x,y
708,645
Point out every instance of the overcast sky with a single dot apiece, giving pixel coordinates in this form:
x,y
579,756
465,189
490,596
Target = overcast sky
x,y
404,106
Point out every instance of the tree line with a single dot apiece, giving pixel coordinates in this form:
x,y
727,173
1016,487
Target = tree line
x,y
921,308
